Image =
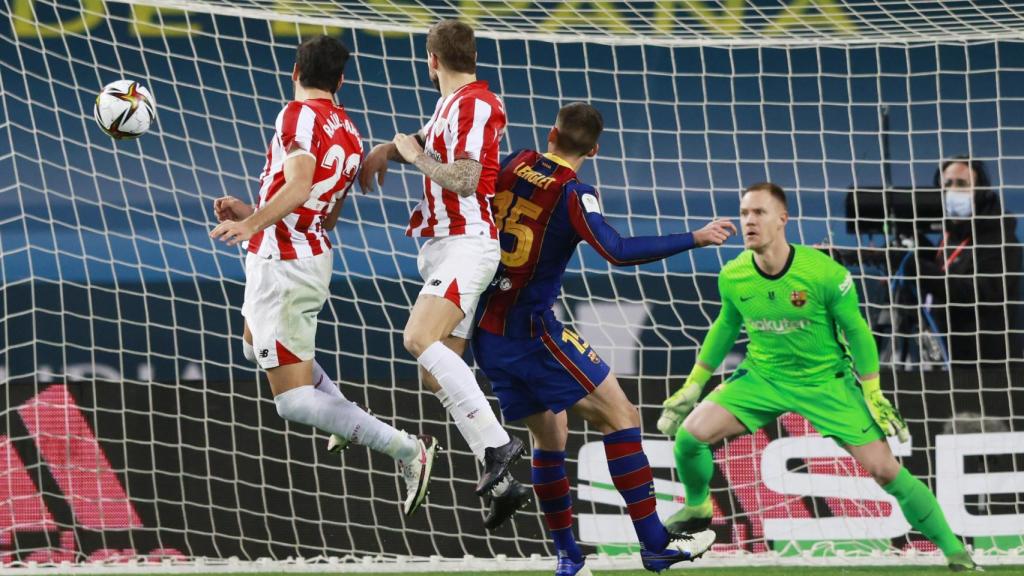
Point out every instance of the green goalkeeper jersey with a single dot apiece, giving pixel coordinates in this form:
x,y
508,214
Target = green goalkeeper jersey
x,y
804,323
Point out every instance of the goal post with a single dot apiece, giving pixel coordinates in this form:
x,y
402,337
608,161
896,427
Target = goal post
x,y
133,427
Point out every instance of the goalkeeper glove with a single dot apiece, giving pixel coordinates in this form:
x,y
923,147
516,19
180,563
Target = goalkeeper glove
x,y
882,412
678,405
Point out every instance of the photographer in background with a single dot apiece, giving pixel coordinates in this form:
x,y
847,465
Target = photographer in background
x,y
958,284
975,271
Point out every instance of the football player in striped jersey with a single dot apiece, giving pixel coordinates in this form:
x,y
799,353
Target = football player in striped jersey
x,y
312,161
457,152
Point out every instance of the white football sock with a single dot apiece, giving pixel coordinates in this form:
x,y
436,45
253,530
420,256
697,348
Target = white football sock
x,y
339,416
323,383
475,444
462,397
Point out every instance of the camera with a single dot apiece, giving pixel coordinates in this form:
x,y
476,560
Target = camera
x,y
893,211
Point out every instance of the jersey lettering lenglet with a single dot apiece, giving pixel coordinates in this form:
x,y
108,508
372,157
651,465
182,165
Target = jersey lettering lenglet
x,y
467,124
543,212
322,129
541,217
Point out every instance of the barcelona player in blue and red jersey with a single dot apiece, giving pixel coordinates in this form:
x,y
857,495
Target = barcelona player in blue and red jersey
x,y
539,368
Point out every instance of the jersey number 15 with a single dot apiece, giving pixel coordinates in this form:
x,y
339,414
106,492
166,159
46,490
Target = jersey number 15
x,y
508,218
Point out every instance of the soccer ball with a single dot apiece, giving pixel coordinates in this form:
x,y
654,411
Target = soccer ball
x,y
125,109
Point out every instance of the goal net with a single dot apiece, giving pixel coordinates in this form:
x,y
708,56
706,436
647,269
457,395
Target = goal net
x,y
134,428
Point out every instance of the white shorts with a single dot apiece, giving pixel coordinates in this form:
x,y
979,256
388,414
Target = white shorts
x,y
459,269
282,301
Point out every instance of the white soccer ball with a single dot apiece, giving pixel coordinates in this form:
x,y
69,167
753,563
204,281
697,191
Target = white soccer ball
x,y
125,109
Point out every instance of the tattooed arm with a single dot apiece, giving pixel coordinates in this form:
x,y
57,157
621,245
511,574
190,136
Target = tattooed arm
x,y
461,176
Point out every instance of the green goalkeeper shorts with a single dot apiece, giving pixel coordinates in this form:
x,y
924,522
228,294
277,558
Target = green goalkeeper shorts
x,y
835,407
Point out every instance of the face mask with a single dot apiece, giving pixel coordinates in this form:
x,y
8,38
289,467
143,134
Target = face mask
x,y
959,204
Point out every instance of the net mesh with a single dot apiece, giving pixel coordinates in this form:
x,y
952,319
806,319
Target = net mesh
x,y
135,428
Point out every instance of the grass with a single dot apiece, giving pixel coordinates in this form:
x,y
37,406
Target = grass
x,y
758,571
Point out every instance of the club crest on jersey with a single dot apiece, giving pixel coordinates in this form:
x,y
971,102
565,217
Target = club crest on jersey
x,y
798,298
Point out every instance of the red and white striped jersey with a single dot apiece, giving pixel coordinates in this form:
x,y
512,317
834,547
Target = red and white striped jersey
x,y
468,123
322,129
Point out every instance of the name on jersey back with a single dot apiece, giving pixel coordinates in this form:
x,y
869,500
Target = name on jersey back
x,y
333,123
539,180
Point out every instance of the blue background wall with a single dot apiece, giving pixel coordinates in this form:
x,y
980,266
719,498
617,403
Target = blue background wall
x,y
687,127
110,282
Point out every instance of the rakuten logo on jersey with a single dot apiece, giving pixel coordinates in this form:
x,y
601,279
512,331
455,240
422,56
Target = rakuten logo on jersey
x,y
90,487
784,326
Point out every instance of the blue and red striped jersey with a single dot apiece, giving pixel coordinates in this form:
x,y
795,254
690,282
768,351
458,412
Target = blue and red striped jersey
x,y
542,212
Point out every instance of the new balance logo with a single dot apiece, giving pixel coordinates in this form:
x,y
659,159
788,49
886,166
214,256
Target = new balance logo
x,y
264,353
435,282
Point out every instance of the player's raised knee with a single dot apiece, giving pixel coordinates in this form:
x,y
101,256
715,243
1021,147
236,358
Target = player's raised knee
x,y
701,430
627,416
293,405
612,418
883,470
416,342
699,433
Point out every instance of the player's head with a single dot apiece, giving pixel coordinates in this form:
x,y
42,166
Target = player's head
x,y
451,48
320,63
763,215
576,130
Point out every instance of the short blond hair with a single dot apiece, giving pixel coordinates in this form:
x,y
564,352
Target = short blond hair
x,y
455,45
772,188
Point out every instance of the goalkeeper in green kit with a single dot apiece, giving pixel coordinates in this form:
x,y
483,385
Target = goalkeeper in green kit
x,y
801,312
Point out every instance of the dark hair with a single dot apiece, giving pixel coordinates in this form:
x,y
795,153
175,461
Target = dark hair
x,y
981,179
321,63
772,188
986,199
455,45
579,126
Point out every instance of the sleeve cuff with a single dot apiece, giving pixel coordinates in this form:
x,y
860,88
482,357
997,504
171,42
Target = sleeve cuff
x,y
699,374
688,240
871,385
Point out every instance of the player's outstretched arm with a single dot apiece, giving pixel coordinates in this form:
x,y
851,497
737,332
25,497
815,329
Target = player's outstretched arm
x,y
845,308
298,179
714,233
231,208
375,165
586,217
